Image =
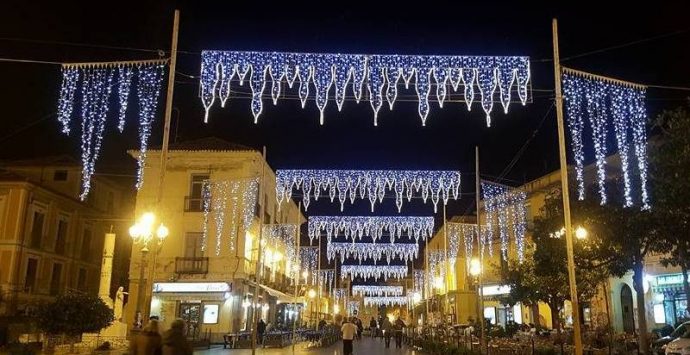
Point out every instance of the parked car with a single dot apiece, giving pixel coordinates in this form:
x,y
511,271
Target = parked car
x,y
659,345
679,346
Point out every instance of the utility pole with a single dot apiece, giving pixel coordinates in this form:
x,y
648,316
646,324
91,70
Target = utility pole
x,y
480,291
577,338
297,275
257,271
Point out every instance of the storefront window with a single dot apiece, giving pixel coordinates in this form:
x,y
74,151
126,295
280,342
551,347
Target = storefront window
x,y
210,314
490,314
659,314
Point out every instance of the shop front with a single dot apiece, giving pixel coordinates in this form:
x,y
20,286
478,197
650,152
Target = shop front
x,y
669,299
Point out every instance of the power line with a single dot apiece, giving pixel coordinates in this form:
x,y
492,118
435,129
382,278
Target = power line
x,y
627,44
31,61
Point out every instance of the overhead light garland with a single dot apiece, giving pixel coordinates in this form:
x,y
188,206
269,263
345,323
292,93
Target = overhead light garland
x,y
222,197
373,271
339,294
94,83
356,227
607,102
370,290
353,307
309,257
385,301
283,235
327,277
369,184
372,251
468,233
437,259
506,216
418,281
324,70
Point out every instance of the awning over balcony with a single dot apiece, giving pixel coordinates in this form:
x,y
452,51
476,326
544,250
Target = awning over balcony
x,y
282,297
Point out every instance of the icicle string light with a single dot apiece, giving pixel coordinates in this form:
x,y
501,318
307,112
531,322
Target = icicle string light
x,y
418,280
309,257
373,271
505,216
93,84
376,72
385,301
353,307
327,278
371,290
372,251
339,294
608,102
356,227
282,236
468,233
369,184
216,195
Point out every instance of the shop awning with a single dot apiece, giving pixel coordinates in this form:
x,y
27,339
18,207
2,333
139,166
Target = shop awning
x,y
282,297
668,289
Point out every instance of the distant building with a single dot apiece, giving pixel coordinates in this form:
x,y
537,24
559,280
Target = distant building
x,y
50,241
212,291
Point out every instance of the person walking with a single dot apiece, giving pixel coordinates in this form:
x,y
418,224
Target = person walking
x,y
349,329
148,341
398,328
360,328
373,327
175,340
261,330
387,329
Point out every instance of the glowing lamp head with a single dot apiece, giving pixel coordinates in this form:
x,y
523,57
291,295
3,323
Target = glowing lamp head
x,y
147,219
581,233
135,231
416,297
336,309
475,267
438,282
162,232
305,273
311,293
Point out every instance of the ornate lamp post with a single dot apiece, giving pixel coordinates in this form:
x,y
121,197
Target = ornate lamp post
x,y
143,232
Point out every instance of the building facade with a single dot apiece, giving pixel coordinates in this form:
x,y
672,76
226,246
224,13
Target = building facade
x,y
206,281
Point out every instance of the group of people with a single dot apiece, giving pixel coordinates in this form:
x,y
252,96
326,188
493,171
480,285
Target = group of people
x,y
352,329
150,341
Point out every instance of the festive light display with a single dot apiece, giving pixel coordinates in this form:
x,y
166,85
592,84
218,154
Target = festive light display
x,y
323,71
221,197
604,101
282,235
468,233
353,307
373,271
505,207
370,184
418,280
327,278
339,294
372,251
370,290
309,257
355,227
95,82
385,301
437,260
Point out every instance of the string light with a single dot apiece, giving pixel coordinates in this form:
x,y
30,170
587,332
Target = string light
x,y
436,260
505,207
418,276
468,233
327,278
94,83
309,257
372,251
384,301
355,227
339,294
371,290
353,306
373,271
282,235
605,101
369,184
215,196
324,70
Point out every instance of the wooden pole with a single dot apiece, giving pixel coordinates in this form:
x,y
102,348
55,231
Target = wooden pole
x,y
297,276
447,263
480,248
577,339
257,271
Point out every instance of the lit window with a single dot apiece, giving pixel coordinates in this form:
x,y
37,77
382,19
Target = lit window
x,y
659,314
210,313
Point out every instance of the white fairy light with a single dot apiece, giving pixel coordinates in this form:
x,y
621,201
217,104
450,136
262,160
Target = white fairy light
x,y
94,82
372,251
506,216
309,257
374,290
283,236
369,184
353,306
437,259
215,198
325,70
373,271
468,233
418,282
339,294
608,103
327,278
356,227
385,301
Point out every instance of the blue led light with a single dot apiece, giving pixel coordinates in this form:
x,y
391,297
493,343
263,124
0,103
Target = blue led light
x,y
355,227
505,217
372,251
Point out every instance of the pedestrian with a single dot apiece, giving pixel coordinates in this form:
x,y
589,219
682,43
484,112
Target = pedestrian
x,y
360,328
261,330
398,327
387,328
175,340
349,329
148,341
373,327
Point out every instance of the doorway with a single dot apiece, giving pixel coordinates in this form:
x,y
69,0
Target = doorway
x,y
191,314
627,309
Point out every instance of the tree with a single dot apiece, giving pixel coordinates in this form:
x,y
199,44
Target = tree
x,y
669,171
543,275
73,314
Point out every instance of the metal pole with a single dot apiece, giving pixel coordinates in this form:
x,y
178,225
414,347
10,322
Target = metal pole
x,y
577,339
318,286
480,291
426,280
257,271
297,276
139,316
447,262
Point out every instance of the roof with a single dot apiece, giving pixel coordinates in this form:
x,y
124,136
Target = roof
x,y
208,144
54,160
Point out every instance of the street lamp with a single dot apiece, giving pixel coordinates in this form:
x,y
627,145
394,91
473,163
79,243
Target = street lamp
x,y
312,294
581,233
476,272
143,232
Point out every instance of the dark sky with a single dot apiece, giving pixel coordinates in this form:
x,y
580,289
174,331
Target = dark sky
x,y
31,30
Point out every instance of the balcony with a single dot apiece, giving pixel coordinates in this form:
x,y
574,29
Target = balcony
x,y
191,265
193,204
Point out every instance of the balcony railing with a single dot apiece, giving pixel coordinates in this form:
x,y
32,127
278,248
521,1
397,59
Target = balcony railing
x,y
193,204
191,265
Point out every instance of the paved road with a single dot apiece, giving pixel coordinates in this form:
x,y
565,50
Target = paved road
x,y
366,346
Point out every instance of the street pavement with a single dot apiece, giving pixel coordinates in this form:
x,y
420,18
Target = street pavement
x,y
366,346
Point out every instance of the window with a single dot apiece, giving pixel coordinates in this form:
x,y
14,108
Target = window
x,y
192,247
86,244
81,279
37,229
55,279
60,175
210,314
31,270
196,188
61,238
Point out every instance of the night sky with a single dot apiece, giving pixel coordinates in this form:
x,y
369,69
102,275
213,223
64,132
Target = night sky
x,y
294,139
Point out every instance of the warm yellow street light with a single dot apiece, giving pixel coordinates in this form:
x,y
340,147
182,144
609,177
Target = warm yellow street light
x,y
581,233
438,282
475,267
311,293
416,297
336,309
